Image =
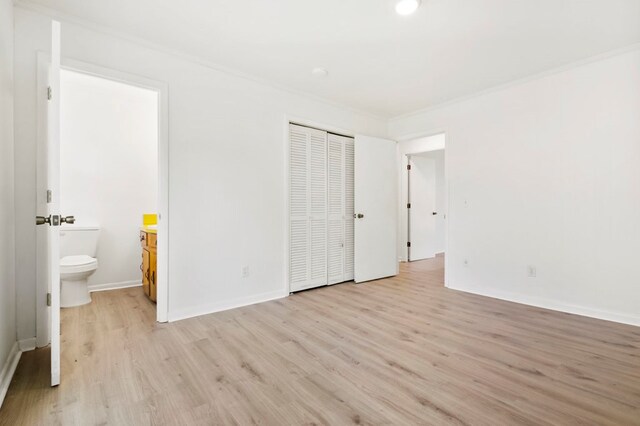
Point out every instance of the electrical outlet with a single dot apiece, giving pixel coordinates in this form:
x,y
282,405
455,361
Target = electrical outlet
x,y
531,271
245,271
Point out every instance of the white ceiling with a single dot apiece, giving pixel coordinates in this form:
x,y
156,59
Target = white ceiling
x,y
377,61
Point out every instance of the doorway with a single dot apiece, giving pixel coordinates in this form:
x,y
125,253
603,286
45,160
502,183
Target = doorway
x,y
426,212
423,186
109,182
105,166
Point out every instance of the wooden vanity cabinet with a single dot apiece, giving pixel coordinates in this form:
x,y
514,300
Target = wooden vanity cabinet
x,y
144,267
148,241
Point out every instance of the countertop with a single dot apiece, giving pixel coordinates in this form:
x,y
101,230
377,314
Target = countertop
x,y
150,229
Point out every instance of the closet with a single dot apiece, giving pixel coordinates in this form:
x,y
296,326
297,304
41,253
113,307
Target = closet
x,y
321,208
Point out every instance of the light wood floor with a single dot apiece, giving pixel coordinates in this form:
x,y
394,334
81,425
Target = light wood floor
x,y
398,351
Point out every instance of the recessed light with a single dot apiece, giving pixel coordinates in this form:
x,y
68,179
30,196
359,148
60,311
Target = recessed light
x,y
407,7
319,72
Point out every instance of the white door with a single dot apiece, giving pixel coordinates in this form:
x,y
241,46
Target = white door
x,y
50,236
376,198
422,214
349,221
340,208
307,207
336,208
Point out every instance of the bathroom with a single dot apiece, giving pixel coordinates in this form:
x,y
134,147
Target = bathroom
x,y
109,183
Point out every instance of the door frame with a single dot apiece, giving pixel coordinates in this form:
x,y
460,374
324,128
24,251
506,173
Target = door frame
x,y
291,119
403,160
162,89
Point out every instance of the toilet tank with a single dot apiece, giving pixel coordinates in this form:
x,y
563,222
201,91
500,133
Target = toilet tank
x,y
76,240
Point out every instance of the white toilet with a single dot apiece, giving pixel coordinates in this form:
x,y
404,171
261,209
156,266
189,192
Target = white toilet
x,y
78,245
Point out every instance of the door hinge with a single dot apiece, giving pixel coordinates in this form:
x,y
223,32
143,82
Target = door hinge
x,y
408,166
408,243
408,205
49,93
49,196
48,299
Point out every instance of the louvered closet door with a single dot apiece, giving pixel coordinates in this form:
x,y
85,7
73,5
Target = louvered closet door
x,y
349,210
340,179
308,207
336,194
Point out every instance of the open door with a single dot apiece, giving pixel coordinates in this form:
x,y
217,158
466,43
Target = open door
x,y
422,214
50,237
376,214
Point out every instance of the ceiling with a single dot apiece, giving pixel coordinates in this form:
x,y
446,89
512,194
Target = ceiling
x,y
378,61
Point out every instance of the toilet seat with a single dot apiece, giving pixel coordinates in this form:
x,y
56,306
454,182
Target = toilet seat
x,y
79,263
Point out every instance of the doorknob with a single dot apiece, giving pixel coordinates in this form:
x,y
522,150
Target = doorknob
x,y
68,219
434,213
358,215
54,220
41,220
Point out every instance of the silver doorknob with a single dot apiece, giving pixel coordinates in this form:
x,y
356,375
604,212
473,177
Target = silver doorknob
x,y
68,219
54,220
41,220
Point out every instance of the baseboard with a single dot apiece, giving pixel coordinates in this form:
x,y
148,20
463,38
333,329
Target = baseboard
x,y
8,369
27,344
225,306
114,286
553,305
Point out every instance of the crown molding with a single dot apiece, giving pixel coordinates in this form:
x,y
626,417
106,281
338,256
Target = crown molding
x,y
109,31
106,30
519,81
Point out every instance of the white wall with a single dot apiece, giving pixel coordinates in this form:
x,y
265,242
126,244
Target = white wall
x,y
226,172
435,142
545,173
7,248
109,167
